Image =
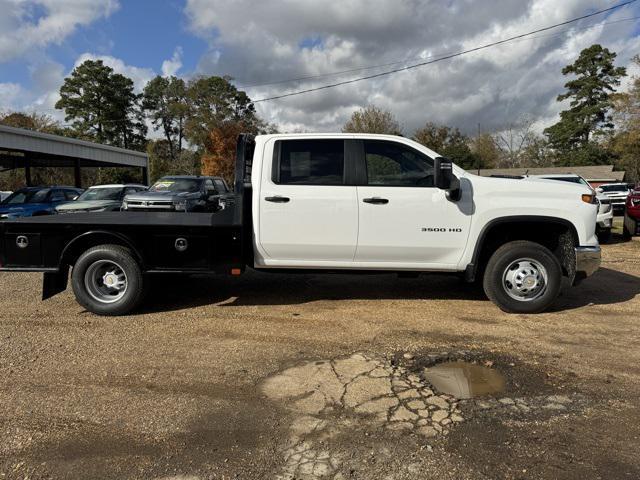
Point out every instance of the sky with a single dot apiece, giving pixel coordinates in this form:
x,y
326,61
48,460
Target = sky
x,y
265,44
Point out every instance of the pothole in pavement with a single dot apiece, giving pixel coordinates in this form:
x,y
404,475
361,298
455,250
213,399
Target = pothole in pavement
x,y
402,396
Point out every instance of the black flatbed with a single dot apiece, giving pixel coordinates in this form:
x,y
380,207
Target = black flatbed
x,y
223,218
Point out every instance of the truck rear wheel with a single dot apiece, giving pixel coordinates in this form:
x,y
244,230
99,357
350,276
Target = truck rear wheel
x,y
107,280
522,277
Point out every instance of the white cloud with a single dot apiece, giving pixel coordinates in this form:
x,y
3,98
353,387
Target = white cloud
x,y
174,64
32,24
10,94
263,42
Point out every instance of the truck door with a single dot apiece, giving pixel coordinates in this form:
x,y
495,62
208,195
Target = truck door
x,y
403,219
308,213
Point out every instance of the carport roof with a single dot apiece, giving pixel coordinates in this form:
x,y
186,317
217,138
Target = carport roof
x,y
17,144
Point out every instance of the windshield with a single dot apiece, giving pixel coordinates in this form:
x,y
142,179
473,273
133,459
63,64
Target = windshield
x,y
176,185
614,188
26,196
578,180
112,193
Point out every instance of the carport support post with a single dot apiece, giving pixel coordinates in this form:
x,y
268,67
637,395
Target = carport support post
x,y
27,171
145,175
76,173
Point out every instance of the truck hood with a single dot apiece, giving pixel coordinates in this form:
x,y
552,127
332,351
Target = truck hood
x,y
151,196
543,186
87,205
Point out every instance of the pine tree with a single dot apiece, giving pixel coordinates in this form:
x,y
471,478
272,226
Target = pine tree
x,y
575,136
103,106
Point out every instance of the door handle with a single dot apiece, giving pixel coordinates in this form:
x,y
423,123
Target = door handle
x,y
277,199
376,200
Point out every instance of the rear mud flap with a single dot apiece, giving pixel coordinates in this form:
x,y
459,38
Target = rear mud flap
x,y
54,283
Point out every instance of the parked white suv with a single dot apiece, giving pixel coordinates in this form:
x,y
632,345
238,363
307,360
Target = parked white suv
x,y
604,220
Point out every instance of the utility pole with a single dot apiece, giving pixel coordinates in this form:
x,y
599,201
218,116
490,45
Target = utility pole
x,y
479,159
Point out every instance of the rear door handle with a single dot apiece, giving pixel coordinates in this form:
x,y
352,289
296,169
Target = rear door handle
x,y
277,199
376,200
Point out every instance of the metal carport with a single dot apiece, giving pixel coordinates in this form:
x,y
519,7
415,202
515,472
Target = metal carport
x,y
20,148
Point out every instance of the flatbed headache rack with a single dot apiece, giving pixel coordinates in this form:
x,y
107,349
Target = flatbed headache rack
x,y
245,148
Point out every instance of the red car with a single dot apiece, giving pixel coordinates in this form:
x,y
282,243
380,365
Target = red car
x,y
632,214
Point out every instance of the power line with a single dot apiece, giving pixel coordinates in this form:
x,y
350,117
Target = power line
x,y
445,57
371,67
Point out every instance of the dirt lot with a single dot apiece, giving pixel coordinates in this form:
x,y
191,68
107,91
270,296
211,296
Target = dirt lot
x,y
273,376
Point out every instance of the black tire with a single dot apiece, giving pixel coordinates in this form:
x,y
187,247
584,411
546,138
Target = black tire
x,y
604,235
626,234
125,263
506,256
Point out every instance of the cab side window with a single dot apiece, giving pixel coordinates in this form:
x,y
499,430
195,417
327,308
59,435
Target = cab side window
x,y
396,165
309,162
209,188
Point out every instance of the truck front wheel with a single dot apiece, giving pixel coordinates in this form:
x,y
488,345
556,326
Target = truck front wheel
x,y
107,280
522,277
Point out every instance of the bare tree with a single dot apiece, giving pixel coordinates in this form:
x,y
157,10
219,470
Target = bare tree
x,y
513,141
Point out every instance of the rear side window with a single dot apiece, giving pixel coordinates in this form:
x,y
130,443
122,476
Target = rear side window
x,y
57,196
220,186
310,162
71,194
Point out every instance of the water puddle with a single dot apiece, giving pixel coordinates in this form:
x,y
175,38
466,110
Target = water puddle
x,y
464,380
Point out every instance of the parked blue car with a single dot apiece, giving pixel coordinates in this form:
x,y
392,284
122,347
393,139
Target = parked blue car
x,y
34,201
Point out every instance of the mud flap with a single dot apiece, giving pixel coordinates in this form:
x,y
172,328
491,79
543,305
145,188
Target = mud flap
x,y
566,254
54,283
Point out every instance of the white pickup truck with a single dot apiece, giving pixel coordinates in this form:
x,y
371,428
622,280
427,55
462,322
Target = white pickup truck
x,y
329,203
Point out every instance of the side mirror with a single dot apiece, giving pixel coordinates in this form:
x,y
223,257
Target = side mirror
x,y
75,197
444,179
442,173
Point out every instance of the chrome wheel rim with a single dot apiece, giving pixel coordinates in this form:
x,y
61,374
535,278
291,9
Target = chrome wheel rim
x,y
525,280
105,281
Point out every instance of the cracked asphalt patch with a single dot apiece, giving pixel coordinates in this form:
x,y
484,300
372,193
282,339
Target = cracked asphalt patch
x,y
255,378
339,397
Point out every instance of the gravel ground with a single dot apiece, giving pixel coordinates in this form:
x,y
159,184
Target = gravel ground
x,y
276,376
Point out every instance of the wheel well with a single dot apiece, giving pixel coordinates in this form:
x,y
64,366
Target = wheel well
x,y
84,242
557,235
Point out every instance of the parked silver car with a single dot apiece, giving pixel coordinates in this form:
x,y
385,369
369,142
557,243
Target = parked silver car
x,y
100,198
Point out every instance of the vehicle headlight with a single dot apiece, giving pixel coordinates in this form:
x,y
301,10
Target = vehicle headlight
x,y
589,198
4,215
180,205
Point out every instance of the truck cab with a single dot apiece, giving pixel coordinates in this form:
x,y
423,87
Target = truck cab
x,y
332,203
